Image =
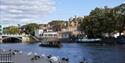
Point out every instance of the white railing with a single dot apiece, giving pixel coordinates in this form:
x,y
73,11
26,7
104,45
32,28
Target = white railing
x,y
14,35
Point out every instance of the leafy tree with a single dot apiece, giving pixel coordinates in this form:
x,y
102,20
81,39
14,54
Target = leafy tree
x,y
100,20
11,30
57,25
30,28
119,13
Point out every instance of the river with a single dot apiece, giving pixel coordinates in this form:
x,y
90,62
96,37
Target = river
x,y
75,52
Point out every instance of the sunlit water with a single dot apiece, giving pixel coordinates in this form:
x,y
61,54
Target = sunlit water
x,y
75,52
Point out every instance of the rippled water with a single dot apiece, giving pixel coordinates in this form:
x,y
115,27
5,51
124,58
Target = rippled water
x,y
76,52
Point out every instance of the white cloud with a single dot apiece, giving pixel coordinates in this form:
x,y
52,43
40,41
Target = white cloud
x,y
16,11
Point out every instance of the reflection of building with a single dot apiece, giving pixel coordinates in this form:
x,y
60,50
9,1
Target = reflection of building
x,y
1,29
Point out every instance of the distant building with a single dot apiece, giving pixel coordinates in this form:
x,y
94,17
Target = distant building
x,y
50,35
74,24
64,36
42,28
39,32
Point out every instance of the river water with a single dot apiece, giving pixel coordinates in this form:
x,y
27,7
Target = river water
x,y
75,52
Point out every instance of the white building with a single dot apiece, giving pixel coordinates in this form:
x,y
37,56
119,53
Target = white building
x,y
39,32
51,34
50,37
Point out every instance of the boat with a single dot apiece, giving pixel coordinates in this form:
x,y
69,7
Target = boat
x,y
50,42
50,39
86,40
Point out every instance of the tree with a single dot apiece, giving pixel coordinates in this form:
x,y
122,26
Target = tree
x,y
57,25
100,20
11,30
30,28
119,13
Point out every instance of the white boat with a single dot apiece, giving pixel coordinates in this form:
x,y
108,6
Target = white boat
x,y
50,39
86,40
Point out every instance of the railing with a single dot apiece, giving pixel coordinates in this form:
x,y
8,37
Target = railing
x,y
15,35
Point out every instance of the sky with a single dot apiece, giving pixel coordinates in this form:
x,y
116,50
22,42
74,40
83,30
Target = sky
x,y
13,12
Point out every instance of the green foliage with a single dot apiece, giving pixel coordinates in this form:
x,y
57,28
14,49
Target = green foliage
x,y
11,30
30,28
104,20
57,25
119,12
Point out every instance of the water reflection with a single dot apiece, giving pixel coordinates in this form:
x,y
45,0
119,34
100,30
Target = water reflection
x,y
76,52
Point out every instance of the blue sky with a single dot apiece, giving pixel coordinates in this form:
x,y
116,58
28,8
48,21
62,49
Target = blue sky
x,y
42,11
70,8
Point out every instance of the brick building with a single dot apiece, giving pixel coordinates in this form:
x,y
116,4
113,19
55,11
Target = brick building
x,y
74,24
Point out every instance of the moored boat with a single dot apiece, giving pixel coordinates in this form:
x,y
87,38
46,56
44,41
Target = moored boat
x,y
50,39
86,40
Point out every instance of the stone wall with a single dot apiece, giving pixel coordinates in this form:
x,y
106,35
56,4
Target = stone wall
x,y
25,39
